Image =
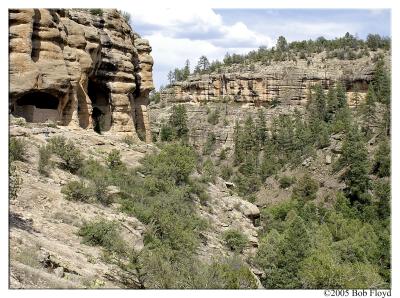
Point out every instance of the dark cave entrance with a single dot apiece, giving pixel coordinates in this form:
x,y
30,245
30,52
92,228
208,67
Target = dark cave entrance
x,y
357,86
37,107
139,114
101,107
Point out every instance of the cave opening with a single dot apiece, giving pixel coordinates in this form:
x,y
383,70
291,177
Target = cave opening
x,y
37,107
357,86
101,106
139,115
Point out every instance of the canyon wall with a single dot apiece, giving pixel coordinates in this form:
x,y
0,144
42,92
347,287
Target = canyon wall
x,y
282,81
239,91
81,68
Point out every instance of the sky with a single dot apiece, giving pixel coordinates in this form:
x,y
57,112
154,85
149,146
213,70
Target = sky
x,y
179,34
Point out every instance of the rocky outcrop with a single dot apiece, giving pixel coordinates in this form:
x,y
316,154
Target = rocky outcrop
x,y
81,68
280,81
237,92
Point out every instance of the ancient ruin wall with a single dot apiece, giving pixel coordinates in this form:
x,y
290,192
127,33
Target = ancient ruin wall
x,y
96,68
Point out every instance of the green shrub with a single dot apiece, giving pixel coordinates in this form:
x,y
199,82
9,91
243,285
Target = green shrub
x,y
175,162
155,97
210,144
154,186
235,240
167,133
103,233
226,172
126,15
44,159
67,151
113,159
15,182
77,191
230,273
306,189
286,181
213,117
222,154
129,140
93,170
247,184
96,12
198,188
100,192
17,149
209,173
204,198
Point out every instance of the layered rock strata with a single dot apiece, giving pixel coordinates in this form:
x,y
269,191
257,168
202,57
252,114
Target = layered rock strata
x,y
78,67
281,81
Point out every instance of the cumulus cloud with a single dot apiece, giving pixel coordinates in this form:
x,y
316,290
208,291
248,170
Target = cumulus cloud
x,y
177,34
170,52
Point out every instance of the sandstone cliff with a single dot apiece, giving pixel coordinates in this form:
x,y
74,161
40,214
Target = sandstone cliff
x,y
282,81
79,68
238,91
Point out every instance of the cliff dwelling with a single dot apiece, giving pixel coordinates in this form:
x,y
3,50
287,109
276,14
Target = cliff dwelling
x,y
37,107
65,67
101,113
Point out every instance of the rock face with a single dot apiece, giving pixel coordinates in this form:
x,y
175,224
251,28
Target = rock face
x,y
237,92
80,68
281,81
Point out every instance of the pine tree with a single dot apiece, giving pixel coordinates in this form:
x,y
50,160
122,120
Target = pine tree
x,y
295,247
178,121
283,132
332,104
381,82
237,139
249,139
170,77
319,104
178,76
304,138
203,64
281,44
186,69
381,166
261,128
341,96
368,111
355,159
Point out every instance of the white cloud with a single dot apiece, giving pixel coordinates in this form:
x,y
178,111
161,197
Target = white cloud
x,y
177,34
176,17
169,53
240,34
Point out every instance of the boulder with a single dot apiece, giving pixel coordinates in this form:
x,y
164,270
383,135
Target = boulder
x,y
59,272
328,159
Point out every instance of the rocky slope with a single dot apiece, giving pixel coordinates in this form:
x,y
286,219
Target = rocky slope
x,y
45,249
79,68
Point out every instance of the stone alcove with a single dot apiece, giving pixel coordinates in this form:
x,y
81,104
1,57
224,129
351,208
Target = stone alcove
x,y
101,106
37,106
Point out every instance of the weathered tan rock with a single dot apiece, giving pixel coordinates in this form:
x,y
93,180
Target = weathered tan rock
x,y
77,69
238,92
281,81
